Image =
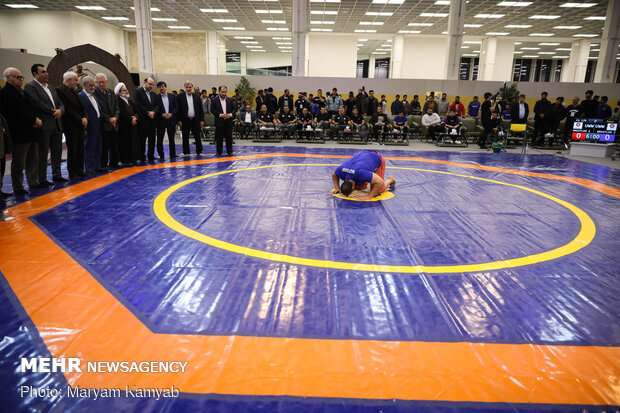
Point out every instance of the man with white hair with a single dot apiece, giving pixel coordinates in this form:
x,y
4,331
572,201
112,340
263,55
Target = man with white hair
x,y
74,122
49,108
146,104
190,117
94,128
109,119
24,128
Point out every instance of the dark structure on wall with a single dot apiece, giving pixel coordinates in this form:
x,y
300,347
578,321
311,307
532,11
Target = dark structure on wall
x,y
66,59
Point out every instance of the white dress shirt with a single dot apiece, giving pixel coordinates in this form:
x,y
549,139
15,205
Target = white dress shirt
x,y
93,101
49,94
191,113
521,110
248,117
148,94
164,99
223,102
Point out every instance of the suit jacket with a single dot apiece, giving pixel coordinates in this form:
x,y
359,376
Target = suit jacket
x,y
19,114
43,108
143,105
206,105
6,145
173,107
216,109
183,108
74,110
109,106
94,128
242,113
514,113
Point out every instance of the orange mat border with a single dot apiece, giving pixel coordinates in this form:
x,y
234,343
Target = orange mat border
x,y
77,317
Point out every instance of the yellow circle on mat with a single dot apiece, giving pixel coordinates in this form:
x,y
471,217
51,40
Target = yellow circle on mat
x,y
381,197
583,238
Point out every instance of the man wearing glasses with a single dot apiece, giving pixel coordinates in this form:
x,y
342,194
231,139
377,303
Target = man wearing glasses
x,y
24,127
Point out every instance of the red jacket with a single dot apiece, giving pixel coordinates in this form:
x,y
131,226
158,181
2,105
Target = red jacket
x,y
460,111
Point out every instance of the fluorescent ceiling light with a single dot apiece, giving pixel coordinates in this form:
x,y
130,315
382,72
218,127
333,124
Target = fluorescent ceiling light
x,y
233,28
497,33
546,52
530,48
284,47
287,43
386,45
544,17
378,53
517,52
464,47
179,27
115,18
360,44
595,50
329,12
434,14
225,20
91,7
515,3
567,27
317,29
442,2
469,55
273,21
362,40
323,1
22,6
163,19
388,1
422,24
594,18
518,42
531,56
409,31
281,38
472,25
129,25
564,49
541,34
383,50
214,10
244,37
585,35
321,22
488,16
472,42
269,11
580,5
256,50
254,47
277,29
549,44
371,23
518,26
559,57
248,42
132,8
378,13
365,31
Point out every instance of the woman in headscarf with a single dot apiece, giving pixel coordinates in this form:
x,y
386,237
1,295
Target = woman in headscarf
x,y
127,127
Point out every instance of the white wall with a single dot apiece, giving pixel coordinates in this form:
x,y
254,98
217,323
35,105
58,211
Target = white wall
x,y
40,32
423,58
496,59
255,60
332,55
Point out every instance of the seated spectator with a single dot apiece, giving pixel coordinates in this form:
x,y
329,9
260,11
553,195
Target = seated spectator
x,y
443,106
430,104
506,113
400,123
473,109
415,108
458,107
379,121
247,120
453,124
433,122
287,122
304,123
340,121
357,123
397,106
264,118
604,110
614,116
323,119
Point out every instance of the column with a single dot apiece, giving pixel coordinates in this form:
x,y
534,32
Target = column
x,y
578,62
144,35
396,59
371,66
496,59
212,52
299,37
244,63
606,66
455,39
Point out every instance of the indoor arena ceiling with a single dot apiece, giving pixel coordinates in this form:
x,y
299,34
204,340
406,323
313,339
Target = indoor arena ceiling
x,y
269,21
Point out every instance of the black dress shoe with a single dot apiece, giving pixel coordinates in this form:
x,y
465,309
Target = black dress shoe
x,y
44,184
173,156
88,174
60,179
21,191
218,154
230,154
5,194
81,174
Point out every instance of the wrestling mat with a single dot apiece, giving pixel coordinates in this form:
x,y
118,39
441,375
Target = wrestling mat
x,y
482,282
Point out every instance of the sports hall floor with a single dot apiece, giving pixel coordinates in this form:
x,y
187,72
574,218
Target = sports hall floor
x,y
486,283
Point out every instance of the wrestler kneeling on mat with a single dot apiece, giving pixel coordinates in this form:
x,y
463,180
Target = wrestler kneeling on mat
x,y
365,167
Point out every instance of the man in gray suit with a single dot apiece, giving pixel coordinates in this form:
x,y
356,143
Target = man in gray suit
x,y
49,108
109,119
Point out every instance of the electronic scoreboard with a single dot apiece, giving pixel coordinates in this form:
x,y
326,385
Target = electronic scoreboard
x,y
594,130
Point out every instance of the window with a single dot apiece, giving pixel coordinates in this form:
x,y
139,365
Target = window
x,y
362,68
474,75
382,68
558,70
590,71
522,70
465,68
233,62
543,70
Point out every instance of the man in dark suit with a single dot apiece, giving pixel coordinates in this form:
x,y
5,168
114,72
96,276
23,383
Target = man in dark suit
x,y
222,108
542,115
94,128
109,119
519,111
145,102
49,108
190,116
73,123
24,128
166,122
